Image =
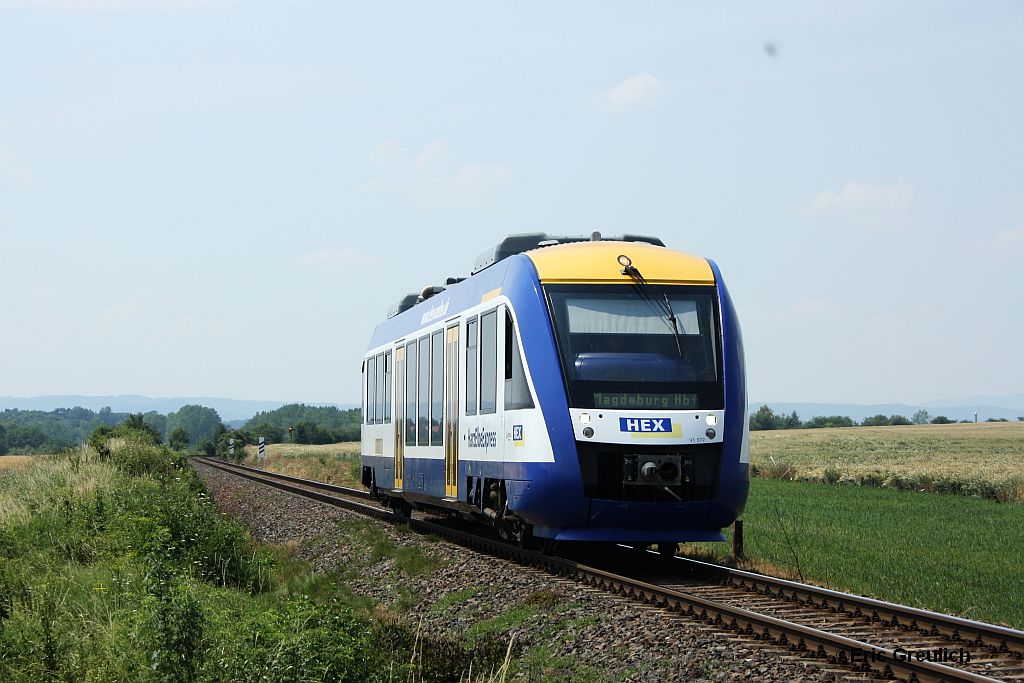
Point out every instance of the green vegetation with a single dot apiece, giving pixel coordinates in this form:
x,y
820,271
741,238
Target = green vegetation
x,y
450,600
945,553
985,460
36,431
33,431
202,424
307,424
764,418
115,566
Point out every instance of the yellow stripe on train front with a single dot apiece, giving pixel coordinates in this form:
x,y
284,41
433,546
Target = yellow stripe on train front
x,y
598,262
676,433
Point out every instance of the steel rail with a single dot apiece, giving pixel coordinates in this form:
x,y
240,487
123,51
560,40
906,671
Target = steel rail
x,y
1000,638
798,637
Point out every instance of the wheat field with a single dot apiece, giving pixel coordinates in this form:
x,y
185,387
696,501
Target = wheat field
x,y
985,459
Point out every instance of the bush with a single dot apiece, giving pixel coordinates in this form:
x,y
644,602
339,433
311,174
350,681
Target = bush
x,y
941,420
242,439
178,439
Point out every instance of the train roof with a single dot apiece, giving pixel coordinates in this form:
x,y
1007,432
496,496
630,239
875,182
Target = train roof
x,y
583,259
527,241
598,262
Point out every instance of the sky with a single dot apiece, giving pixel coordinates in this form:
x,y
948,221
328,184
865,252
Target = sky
x,y
223,198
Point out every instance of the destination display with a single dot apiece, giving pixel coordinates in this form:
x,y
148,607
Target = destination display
x,y
640,401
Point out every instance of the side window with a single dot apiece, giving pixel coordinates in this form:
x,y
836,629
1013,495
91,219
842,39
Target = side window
x,y
471,361
517,392
410,394
436,387
366,389
371,390
488,362
387,387
379,411
423,391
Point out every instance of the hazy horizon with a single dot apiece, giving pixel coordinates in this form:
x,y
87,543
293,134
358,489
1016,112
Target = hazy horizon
x,y
217,198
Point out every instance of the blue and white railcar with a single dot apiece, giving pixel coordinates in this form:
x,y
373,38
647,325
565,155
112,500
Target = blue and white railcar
x,y
573,390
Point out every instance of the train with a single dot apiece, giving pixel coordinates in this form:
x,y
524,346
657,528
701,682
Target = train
x,y
588,389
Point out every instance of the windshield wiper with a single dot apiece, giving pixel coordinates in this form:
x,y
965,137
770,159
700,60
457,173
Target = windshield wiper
x,y
665,310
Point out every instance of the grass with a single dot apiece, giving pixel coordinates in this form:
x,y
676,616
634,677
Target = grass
x,y
984,460
450,600
370,546
946,553
114,565
336,463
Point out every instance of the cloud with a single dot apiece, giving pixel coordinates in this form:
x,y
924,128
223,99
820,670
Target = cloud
x,y
431,153
1004,245
333,258
470,186
1007,241
432,179
387,153
861,198
636,92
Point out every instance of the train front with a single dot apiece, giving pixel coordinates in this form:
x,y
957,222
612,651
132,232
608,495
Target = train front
x,y
651,358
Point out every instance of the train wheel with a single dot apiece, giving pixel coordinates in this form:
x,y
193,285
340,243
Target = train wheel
x,y
400,507
524,536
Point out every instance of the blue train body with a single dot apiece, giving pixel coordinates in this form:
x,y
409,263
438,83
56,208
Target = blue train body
x,y
560,393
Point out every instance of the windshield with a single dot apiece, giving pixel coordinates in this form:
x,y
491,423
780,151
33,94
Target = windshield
x,y
639,346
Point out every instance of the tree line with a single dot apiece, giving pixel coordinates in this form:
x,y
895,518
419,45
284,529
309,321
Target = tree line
x,y
192,427
766,418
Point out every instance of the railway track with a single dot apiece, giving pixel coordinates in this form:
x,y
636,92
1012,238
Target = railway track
x,y
858,634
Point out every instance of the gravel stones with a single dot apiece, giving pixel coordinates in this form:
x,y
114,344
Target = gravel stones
x,y
561,630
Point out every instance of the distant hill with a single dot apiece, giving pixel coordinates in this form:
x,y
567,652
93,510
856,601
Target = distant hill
x,y
229,409
856,411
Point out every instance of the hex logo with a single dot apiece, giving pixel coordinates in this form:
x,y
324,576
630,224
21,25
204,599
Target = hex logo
x,y
650,425
517,432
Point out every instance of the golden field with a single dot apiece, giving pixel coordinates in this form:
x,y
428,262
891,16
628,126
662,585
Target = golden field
x,y
8,462
985,459
334,463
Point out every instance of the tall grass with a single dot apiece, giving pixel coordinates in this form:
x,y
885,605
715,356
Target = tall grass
x,y
332,463
981,460
115,566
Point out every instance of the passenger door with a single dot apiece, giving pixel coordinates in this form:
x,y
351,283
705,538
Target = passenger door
x,y
451,413
399,417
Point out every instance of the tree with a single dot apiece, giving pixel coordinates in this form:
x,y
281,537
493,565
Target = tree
x,y
309,433
941,420
343,425
3,440
200,422
157,421
791,421
819,421
136,425
242,439
920,417
898,420
179,438
270,432
876,421
764,418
